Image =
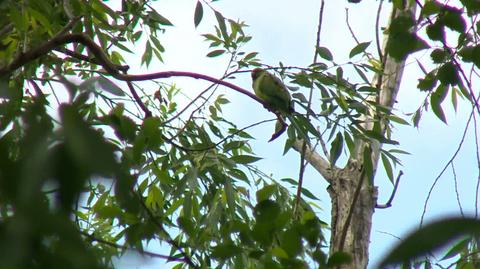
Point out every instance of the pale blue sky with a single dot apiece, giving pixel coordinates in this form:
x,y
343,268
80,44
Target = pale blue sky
x,y
285,31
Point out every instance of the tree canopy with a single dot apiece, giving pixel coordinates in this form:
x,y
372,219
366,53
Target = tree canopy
x,y
97,159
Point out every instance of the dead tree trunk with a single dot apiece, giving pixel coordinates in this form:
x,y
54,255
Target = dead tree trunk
x,y
351,190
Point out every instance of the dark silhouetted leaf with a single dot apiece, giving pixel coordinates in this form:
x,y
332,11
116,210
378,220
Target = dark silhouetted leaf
x,y
430,238
197,18
336,148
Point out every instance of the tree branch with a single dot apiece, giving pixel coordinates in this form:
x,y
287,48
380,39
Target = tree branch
x,y
317,161
395,187
111,68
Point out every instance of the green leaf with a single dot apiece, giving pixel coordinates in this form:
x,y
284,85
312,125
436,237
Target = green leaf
x,y
378,136
401,41
225,251
325,53
430,238
231,145
457,249
266,192
361,74
244,159
290,180
436,31
267,211
436,100
431,7
309,194
454,20
222,25
88,146
159,18
388,167
473,6
398,120
404,44
448,74
147,54
360,48
157,43
338,258
187,225
399,151
108,86
427,83
439,55
279,252
416,117
336,148
291,242
454,99
216,53
367,161
197,18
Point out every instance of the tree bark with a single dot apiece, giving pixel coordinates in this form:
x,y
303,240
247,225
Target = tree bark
x,y
351,190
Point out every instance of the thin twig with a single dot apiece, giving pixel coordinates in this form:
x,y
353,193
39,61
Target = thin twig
x,y
446,166
394,191
377,33
303,163
350,27
457,194
477,189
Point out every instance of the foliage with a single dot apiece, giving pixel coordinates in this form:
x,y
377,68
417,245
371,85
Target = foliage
x,y
91,169
451,34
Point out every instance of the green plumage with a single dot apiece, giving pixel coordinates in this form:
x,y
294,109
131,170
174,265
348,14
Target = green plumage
x,y
272,91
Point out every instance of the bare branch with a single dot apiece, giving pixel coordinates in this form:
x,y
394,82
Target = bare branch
x,y
303,164
110,67
395,187
350,29
460,144
377,34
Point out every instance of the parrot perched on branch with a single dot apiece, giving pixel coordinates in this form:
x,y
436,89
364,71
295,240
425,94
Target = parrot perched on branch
x,y
275,94
272,91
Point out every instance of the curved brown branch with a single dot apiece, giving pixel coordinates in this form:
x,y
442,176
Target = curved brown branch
x,y
110,67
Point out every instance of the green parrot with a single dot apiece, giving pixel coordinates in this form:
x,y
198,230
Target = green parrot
x,y
272,91
275,94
